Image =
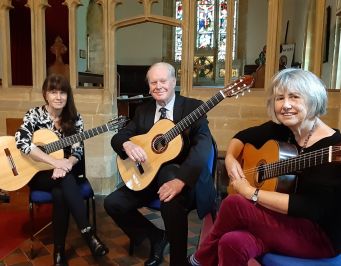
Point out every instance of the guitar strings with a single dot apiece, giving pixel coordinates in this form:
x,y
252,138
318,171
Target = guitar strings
x,y
69,140
278,164
189,119
287,164
239,86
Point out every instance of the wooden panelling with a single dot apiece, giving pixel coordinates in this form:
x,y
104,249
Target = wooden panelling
x,y
12,125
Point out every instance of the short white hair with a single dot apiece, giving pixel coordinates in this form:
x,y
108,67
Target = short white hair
x,y
306,84
170,68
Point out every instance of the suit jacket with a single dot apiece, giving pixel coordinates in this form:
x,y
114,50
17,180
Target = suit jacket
x,y
194,155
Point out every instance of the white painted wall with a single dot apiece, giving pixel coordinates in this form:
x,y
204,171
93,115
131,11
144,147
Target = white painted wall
x,y
256,29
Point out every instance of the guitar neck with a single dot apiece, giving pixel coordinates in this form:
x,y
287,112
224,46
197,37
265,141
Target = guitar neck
x,y
188,120
296,164
68,141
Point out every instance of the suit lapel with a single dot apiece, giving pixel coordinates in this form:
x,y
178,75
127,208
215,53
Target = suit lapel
x,y
150,114
178,108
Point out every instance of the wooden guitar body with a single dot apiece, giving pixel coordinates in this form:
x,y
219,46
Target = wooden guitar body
x,y
129,170
164,142
254,159
18,173
17,169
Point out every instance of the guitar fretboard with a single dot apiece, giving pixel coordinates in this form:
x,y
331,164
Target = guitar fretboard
x,y
68,141
298,163
193,116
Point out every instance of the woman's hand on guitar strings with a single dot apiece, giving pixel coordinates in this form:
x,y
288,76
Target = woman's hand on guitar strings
x,y
237,177
234,169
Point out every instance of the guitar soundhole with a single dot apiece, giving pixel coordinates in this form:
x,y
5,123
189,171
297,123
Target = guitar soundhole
x,y
159,144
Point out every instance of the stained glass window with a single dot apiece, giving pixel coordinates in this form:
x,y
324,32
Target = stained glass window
x,y
210,40
205,24
206,21
222,30
178,32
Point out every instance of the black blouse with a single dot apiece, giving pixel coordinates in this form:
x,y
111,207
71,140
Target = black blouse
x,y
318,191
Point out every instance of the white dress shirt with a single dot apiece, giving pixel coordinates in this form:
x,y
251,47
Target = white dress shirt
x,y
169,114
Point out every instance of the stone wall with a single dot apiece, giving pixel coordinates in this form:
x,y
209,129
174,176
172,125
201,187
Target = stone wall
x,y
97,108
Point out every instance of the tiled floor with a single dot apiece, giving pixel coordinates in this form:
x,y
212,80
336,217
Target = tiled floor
x,y
78,253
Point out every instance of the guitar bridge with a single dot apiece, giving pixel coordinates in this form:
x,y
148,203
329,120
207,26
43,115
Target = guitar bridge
x,y
11,161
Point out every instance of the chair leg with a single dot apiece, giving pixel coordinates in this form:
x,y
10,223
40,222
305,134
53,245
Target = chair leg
x,y
32,227
87,209
93,203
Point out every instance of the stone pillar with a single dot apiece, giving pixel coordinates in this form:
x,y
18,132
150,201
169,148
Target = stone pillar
x,y
5,46
37,9
72,6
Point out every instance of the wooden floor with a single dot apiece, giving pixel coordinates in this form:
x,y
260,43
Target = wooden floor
x,y
78,253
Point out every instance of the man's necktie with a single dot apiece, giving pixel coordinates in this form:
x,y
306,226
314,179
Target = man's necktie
x,y
163,113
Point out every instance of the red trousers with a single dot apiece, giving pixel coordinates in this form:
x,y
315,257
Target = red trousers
x,y
243,231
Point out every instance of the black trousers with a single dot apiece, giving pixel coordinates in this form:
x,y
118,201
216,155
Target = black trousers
x,y
67,199
122,205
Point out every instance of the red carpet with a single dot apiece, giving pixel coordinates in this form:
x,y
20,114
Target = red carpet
x,y
15,226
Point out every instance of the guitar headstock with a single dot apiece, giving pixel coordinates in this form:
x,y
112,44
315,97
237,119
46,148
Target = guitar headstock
x,y
118,123
238,86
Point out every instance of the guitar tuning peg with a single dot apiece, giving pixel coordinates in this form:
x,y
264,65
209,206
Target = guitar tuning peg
x,y
242,93
237,96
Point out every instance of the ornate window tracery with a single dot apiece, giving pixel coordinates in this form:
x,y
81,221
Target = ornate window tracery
x,y
210,40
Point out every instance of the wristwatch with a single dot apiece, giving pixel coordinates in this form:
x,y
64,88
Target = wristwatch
x,y
254,196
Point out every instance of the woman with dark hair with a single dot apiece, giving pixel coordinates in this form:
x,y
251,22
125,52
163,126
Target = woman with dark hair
x,y
59,114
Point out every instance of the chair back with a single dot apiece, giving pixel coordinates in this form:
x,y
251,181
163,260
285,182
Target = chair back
x,y
205,188
212,159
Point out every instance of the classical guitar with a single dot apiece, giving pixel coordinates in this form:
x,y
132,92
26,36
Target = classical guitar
x,y
273,166
17,169
164,141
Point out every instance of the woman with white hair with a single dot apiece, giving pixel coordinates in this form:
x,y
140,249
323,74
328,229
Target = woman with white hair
x,y
304,222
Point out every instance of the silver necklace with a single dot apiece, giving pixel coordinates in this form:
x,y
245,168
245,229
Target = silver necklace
x,y
308,137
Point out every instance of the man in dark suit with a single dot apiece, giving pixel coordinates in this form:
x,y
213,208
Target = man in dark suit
x,y
175,183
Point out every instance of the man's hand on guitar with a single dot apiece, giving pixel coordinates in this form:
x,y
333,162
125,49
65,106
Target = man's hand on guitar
x,y
135,152
170,189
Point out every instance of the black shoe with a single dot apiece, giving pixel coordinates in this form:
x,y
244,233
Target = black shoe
x,y
97,247
59,258
156,252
